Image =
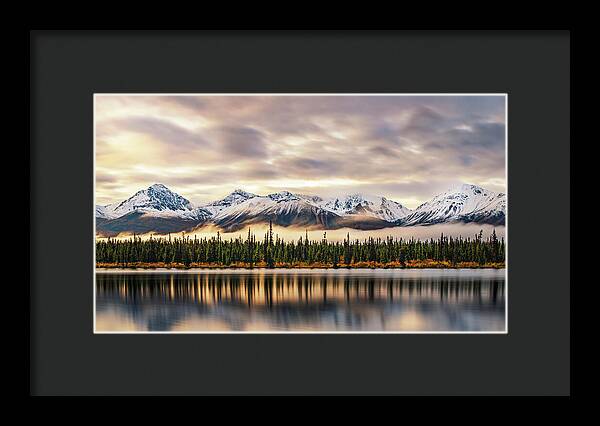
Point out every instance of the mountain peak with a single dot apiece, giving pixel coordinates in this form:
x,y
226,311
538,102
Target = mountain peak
x,y
283,196
239,191
466,188
158,186
238,196
156,197
159,190
358,204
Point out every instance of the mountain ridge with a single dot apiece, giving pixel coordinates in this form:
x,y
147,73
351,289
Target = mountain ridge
x,y
157,206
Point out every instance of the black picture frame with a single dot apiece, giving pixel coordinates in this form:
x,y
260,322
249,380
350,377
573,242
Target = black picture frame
x,y
66,68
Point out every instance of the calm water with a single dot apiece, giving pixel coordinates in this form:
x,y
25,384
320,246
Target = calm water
x,y
301,300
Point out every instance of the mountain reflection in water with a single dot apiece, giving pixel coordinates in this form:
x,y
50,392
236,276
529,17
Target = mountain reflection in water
x,y
301,300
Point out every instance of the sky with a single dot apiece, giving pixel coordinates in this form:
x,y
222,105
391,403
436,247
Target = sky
x,y
406,148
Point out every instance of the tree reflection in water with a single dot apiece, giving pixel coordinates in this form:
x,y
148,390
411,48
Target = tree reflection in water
x,y
327,300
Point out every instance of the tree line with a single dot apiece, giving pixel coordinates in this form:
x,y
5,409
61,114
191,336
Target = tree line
x,y
272,251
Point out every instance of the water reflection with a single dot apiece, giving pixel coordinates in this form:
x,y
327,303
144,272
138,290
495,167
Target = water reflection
x,y
297,300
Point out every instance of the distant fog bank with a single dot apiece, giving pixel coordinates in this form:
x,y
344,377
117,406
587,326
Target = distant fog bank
x,y
417,232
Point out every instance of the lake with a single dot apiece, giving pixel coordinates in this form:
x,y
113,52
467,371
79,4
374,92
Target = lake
x,y
301,300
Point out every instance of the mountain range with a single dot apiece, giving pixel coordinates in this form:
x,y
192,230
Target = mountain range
x,y
160,210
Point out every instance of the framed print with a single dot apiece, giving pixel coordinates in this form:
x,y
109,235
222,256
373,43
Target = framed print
x,y
300,213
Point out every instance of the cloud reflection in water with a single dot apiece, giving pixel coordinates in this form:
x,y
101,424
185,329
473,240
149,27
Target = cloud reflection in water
x,y
302,300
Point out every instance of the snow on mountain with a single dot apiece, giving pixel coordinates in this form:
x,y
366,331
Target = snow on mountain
x,y
107,211
280,203
199,214
284,196
466,203
493,213
101,212
156,199
283,208
314,199
358,204
236,197
285,203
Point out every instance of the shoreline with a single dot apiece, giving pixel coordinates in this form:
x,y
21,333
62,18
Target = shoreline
x,y
428,264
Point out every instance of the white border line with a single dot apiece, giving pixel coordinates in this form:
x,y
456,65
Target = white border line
x,y
505,331
506,214
94,209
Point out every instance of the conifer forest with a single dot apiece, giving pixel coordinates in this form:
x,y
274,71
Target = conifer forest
x,y
270,251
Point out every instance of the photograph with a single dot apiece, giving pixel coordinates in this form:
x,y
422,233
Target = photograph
x,y
300,213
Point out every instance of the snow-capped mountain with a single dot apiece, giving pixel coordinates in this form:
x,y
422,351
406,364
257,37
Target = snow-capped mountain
x,y
285,208
358,204
461,203
157,199
159,209
282,208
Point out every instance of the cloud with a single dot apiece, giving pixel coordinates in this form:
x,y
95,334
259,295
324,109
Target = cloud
x,y
424,120
403,147
193,103
382,151
104,178
309,167
240,142
159,129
